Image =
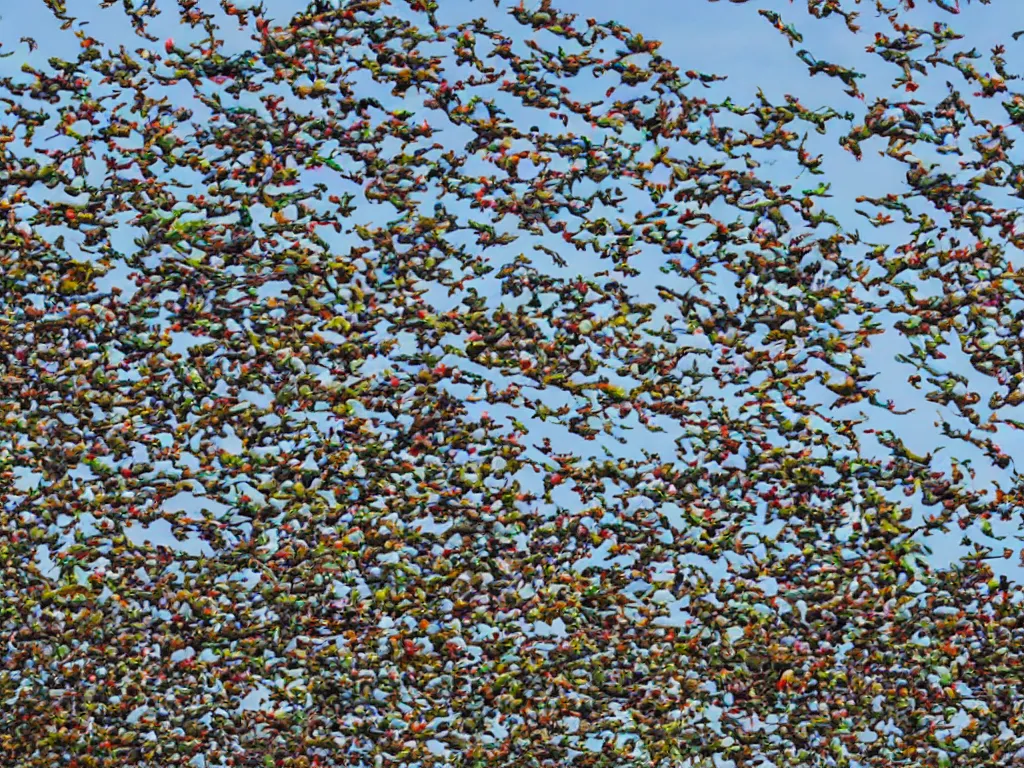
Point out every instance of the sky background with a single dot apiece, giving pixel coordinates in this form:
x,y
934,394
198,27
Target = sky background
x,y
724,38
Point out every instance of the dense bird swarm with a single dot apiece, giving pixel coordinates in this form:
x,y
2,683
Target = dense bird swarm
x,y
505,394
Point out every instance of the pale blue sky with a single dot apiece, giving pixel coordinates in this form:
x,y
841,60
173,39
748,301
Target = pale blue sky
x,y
722,38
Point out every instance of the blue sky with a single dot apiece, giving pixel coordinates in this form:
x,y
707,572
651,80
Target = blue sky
x,y
722,38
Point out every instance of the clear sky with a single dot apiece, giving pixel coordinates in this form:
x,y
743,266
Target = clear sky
x,y
726,38
723,38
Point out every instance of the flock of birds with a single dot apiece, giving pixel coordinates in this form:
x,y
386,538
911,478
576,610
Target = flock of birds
x,y
432,285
